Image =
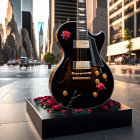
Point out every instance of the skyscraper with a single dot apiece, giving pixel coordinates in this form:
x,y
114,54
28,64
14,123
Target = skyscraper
x,y
100,22
123,14
27,23
40,41
17,8
60,12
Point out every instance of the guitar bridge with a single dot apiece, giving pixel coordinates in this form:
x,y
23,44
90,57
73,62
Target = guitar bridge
x,y
81,78
79,73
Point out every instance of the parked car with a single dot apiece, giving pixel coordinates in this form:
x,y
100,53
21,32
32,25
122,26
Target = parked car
x,y
35,62
12,62
31,63
23,62
119,60
39,63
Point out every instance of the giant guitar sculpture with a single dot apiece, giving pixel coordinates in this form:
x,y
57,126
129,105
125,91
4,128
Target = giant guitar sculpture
x,y
81,79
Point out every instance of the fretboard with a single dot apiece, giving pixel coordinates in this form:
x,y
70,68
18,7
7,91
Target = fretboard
x,y
81,20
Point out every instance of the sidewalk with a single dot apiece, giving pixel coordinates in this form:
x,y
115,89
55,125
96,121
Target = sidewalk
x,y
15,123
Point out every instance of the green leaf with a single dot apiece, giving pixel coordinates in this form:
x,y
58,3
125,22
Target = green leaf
x,y
38,102
44,107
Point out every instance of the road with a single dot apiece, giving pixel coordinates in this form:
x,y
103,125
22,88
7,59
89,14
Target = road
x,y
17,85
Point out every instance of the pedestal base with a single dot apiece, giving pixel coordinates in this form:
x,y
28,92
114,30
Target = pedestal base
x,y
49,125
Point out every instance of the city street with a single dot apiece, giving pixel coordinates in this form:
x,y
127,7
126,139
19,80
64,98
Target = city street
x,y
17,85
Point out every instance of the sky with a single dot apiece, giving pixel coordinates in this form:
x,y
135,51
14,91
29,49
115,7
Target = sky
x,y
40,14
3,10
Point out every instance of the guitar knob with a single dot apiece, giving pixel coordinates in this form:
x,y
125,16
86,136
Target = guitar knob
x,y
104,76
65,93
95,94
97,73
97,81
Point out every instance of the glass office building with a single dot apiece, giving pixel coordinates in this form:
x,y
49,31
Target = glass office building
x,y
123,14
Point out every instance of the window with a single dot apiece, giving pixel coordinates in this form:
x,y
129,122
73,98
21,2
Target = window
x,y
112,2
115,18
127,1
116,33
129,10
129,23
119,6
138,4
138,24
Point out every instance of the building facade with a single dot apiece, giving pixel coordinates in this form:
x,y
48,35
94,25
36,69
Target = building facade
x,y
61,11
100,22
17,11
123,14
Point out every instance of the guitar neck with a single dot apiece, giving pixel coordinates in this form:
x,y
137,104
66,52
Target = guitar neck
x,y
82,33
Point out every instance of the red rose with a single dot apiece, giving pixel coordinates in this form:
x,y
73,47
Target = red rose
x,y
89,110
50,111
109,103
66,34
40,98
63,111
104,107
46,98
43,103
47,110
76,110
57,107
35,99
52,100
81,110
100,86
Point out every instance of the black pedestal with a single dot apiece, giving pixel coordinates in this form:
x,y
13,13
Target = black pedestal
x,y
49,125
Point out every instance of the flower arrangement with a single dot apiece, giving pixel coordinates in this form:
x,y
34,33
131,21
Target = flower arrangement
x,y
49,104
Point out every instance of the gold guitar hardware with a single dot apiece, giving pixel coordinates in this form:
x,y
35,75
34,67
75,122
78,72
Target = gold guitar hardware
x,y
83,73
95,94
65,93
97,73
104,76
81,78
97,81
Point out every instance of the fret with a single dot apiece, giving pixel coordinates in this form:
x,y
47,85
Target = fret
x,y
82,30
82,33
81,1
82,9
82,15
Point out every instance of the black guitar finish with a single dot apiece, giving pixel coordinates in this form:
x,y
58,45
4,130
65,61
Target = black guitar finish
x,y
61,78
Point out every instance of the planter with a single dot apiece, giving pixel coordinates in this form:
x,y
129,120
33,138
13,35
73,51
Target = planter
x,y
49,66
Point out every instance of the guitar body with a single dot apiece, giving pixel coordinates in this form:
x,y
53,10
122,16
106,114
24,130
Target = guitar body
x,y
73,93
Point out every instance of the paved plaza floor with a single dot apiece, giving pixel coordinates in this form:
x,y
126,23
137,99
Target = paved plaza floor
x,y
18,85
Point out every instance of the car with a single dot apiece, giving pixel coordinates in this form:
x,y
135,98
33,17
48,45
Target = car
x,y
12,62
30,62
119,60
35,62
23,62
39,63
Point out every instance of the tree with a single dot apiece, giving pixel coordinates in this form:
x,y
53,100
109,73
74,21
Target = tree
x,y
127,36
50,59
